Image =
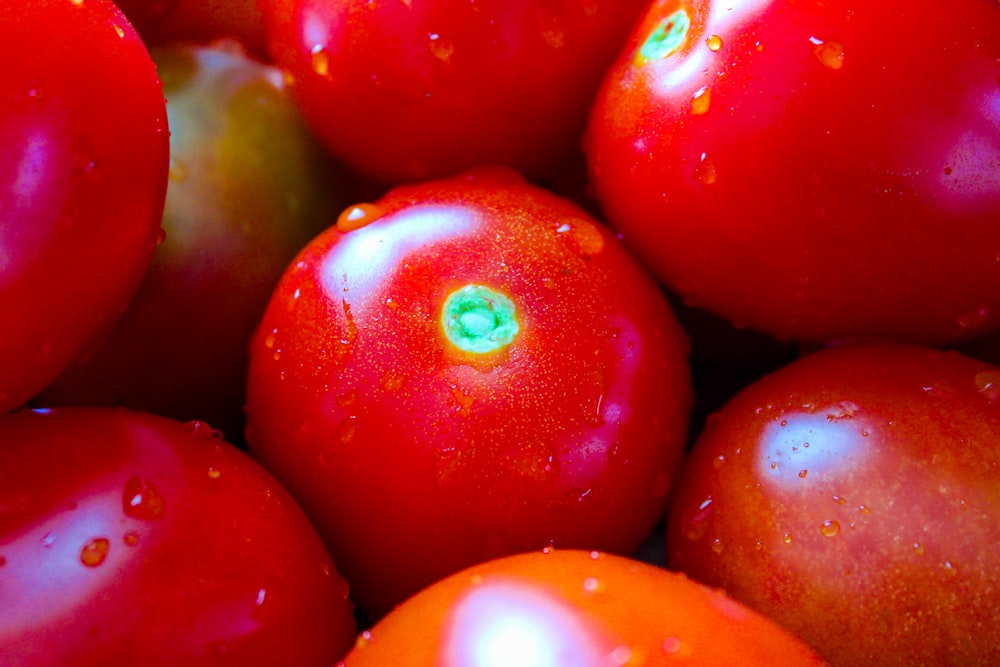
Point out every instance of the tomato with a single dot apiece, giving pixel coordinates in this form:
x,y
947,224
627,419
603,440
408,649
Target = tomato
x,y
410,91
480,369
130,539
557,607
249,186
163,22
818,171
854,497
83,176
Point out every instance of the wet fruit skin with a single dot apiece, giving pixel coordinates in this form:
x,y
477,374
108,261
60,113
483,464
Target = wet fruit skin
x,y
854,497
407,91
574,608
83,177
131,539
809,170
415,454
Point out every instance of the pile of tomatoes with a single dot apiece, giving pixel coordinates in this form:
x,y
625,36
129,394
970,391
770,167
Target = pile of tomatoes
x,y
501,332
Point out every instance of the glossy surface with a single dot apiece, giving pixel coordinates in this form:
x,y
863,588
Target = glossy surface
x,y
408,91
83,176
415,456
808,170
854,497
164,22
249,186
574,608
132,539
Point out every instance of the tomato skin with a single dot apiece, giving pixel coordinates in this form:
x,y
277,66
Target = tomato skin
x,y
415,459
853,497
815,176
574,607
249,186
407,91
127,538
83,177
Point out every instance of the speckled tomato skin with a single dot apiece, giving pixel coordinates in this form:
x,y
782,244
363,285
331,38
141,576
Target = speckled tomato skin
x,y
854,497
585,608
415,459
132,539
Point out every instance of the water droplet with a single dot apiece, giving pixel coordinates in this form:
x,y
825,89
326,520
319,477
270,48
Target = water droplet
x,y
704,171
130,538
974,319
717,546
701,101
919,549
203,429
864,509
950,568
803,473
594,555
441,48
695,527
714,42
671,645
840,500
583,237
357,216
988,383
831,54
95,551
593,585
320,60
787,538
141,500
271,338
120,31
214,473
830,528
261,594
719,461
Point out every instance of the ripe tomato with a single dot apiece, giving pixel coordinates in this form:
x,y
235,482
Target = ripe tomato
x,y
480,370
415,90
249,186
854,497
805,169
83,176
129,539
558,607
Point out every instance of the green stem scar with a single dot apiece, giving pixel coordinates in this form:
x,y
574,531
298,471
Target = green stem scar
x,y
479,319
668,36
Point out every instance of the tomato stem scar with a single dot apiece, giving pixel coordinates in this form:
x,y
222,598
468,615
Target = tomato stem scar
x,y
479,319
668,36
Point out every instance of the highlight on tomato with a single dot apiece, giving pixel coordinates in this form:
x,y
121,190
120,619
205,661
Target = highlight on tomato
x,y
464,369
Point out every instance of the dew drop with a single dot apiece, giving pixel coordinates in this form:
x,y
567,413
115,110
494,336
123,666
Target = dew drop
x,y
719,461
787,538
705,171
320,60
864,509
701,101
131,538
695,527
48,539
830,528
141,500
988,384
717,546
593,585
714,42
95,551
441,48
919,549
271,338
803,473
840,500
357,216
831,54
214,473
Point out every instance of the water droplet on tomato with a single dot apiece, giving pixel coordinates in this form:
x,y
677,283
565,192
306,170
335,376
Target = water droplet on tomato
x,y
203,429
988,384
717,546
705,171
320,60
593,585
582,236
831,54
357,216
714,42
214,473
271,338
829,528
701,101
95,551
48,539
719,461
787,538
803,473
141,500
696,525
440,47
130,538
919,549
671,645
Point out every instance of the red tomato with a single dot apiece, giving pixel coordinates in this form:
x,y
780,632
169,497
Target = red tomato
x,y
854,497
414,90
129,539
480,370
83,176
815,170
574,608
249,186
